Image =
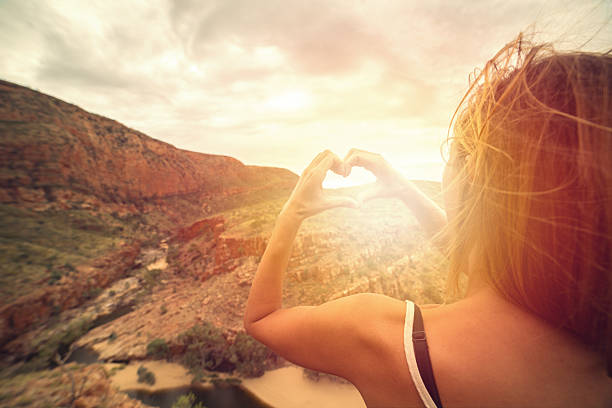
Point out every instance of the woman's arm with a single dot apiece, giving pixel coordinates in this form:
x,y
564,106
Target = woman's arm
x,y
265,296
307,198
391,183
328,337
429,214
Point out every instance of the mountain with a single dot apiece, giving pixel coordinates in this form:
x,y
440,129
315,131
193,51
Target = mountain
x,y
55,152
73,174
116,243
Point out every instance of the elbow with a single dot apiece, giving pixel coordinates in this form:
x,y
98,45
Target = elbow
x,y
248,325
248,322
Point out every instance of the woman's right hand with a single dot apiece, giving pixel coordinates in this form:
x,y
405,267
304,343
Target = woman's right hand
x,y
389,183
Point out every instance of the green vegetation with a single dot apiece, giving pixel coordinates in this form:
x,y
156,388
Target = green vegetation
x,y
207,349
158,348
45,246
145,375
114,370
56,341
18,390
249,356
93,292
151,277
317,376
187,401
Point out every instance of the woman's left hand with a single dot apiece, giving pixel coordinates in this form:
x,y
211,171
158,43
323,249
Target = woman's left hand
x,y
309,197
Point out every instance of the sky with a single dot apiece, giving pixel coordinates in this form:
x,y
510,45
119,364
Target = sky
x,y
275,82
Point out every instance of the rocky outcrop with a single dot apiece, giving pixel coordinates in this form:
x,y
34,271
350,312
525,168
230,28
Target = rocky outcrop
x,y
38,306
54,156
54,151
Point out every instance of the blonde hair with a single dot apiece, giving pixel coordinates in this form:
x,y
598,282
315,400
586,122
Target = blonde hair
x,y
532,146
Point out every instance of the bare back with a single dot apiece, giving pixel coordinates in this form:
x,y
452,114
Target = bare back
x,y
488,352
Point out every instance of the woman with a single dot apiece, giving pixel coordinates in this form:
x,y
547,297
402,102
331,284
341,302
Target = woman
x,y
528,221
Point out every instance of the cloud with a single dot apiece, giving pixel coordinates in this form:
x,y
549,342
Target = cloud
x,y
255,80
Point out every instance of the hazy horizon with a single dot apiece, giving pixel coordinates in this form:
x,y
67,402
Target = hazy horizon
x,y
273,83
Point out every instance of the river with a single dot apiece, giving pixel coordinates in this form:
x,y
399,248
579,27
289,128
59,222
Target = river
x,y
282,388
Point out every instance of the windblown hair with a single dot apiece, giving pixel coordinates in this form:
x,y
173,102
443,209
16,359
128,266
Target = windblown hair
x,y
532,147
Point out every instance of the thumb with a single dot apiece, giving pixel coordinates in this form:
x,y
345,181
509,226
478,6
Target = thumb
x,y
339,201
371,192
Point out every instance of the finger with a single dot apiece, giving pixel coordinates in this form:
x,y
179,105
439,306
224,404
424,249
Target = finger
x,y
314,163
330,162
347,161
360,158
337,165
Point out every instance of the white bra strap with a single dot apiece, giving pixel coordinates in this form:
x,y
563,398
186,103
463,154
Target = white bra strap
x,y
411,359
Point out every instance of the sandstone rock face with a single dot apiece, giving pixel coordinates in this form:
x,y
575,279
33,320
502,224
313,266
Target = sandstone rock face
x,y
35,307
55,156
54,151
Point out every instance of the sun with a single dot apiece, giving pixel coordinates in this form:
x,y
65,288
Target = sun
x,y
289,101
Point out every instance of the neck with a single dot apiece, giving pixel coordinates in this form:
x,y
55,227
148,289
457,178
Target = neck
x,y
475,281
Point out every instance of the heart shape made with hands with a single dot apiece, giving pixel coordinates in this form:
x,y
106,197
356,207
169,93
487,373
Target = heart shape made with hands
x,y
373,187
309,197
348,178
361,185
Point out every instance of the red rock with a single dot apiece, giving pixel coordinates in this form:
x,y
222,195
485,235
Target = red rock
x,y
64,148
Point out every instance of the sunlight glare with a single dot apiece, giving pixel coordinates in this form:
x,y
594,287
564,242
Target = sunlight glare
x,y
357,177
289,101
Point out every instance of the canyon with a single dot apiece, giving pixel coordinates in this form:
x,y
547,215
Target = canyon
x,y
127,247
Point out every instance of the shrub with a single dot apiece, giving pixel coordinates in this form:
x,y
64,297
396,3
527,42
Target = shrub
x,y
151,277
317,376
249,356
145,375
157,348
187,401
206,347
92,292
55,276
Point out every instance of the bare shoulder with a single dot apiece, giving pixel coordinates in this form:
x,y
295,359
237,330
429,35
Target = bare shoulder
x,y
382,377
484,349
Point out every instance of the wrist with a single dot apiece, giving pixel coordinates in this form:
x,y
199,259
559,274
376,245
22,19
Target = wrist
x,y
407,190
290,215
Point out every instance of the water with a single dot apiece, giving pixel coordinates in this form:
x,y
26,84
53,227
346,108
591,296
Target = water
x,y
228,396
83,355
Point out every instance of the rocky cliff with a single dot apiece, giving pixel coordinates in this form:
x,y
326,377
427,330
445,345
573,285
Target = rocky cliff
x,y
55,152
77,189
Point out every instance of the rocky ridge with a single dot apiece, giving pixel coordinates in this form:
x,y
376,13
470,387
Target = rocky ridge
x,y
56,153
